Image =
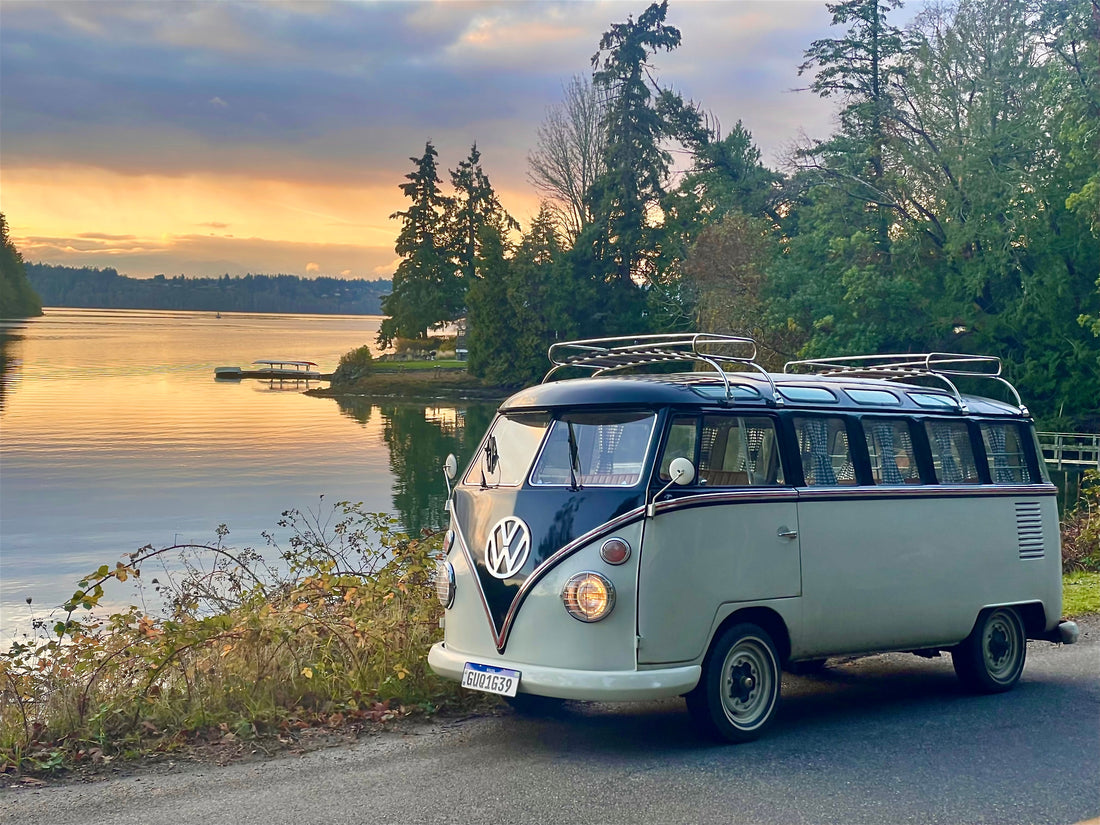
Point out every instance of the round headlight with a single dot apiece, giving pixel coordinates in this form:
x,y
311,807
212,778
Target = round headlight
x,y
615,551
445,583
588,596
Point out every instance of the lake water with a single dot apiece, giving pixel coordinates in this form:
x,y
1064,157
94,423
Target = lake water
x,y
114,434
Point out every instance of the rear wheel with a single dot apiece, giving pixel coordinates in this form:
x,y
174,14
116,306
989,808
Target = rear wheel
x,y
738,692
991,658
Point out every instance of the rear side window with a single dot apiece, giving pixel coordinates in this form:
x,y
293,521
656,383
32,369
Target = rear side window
x,y
824,450
737,451
1005,450
890,448
952,454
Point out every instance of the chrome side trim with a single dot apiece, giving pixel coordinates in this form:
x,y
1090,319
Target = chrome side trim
x,y
928,491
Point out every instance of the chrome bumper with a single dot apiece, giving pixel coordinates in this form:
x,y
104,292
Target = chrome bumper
x,y
566,683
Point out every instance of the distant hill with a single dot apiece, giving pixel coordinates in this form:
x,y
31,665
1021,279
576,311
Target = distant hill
x,y
66,286
17,298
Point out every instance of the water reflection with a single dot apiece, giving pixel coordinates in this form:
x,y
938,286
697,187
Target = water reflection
x,y
419,437
11,361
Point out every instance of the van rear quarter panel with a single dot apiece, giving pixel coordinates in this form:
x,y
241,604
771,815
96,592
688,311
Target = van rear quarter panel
x,y
915,570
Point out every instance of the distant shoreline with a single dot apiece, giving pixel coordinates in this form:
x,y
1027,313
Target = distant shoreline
x,y
418,385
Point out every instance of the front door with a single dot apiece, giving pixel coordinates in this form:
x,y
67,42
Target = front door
x,y
729,537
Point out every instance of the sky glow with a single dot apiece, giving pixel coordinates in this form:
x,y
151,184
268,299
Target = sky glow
x,y
201,138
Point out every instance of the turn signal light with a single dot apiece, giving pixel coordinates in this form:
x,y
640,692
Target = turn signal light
x,y
615,551
588,597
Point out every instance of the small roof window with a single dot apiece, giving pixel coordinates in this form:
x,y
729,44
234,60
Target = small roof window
x,y
934,401
740,392
808,395
876,397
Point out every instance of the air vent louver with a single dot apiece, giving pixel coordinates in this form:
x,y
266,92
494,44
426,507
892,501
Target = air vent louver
x,y
1029,529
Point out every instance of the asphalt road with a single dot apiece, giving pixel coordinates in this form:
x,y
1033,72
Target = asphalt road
x,y
887,739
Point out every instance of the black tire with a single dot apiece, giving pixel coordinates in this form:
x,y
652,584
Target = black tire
x,y
991,658
807,667
738,693
530,704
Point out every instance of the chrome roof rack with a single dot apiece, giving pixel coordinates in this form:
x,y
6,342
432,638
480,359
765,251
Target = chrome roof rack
x,y
939,365
603,355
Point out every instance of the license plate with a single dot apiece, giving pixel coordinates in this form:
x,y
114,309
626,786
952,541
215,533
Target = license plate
x,y
489,679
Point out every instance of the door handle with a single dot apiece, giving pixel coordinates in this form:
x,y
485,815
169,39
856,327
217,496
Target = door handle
x,y
784,533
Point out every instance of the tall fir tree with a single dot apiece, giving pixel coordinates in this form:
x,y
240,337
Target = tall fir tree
x,y
427,288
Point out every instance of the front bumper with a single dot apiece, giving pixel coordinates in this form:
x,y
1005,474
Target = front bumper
x,y
565,683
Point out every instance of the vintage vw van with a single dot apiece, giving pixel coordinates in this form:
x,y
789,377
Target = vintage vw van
x,y
632,534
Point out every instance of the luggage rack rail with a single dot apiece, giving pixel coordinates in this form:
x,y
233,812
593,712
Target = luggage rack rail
x,y
942,366
603,355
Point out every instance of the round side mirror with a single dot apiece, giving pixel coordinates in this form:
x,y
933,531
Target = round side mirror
x,y
450,467
682,471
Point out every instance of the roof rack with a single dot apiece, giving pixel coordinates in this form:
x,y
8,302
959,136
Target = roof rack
x,y
939,365
603,355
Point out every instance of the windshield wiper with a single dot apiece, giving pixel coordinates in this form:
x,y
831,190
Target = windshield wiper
x,y
574,459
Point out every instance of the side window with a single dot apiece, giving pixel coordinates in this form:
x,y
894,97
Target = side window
x,y
738,451
680,444
1005,450
890,447
823,448
952,454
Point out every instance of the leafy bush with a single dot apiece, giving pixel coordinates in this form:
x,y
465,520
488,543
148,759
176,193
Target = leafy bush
x,y
1081,529
353,365
338,627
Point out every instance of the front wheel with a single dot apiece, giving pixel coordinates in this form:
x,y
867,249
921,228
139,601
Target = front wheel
x,y
738,692
991,658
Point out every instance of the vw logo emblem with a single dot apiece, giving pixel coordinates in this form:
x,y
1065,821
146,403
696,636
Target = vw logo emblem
x,y
508,547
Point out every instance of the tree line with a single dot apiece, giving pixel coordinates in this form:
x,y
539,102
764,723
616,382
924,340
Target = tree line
x,y
104,288
956,207
17,297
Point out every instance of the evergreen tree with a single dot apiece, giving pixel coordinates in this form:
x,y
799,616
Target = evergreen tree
x,y
636,165
474,207
17,297
427,287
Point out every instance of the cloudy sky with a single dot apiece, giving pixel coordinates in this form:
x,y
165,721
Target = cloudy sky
x,y
211,137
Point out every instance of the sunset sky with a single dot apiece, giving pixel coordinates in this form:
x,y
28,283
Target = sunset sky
x,y
203,138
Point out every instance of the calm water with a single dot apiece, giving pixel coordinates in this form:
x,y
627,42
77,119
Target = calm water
x,y
114,435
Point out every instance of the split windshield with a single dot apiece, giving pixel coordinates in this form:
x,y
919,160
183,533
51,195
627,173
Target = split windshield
x,y
602,449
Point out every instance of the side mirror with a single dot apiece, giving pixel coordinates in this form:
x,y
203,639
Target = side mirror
x,y
450,470
682,472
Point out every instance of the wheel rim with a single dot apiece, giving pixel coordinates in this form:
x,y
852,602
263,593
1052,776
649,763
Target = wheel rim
x,y
748,683
1001,646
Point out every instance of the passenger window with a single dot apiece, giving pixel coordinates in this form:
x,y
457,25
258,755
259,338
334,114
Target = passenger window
x,y
1005,450
738,451
823,447
952,454
680,444
890,447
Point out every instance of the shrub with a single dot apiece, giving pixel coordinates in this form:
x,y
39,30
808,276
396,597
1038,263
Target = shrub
x,y
1081,528
353,365
337,628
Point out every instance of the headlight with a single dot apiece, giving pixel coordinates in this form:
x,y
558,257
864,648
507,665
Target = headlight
x,y
445,583
448,542
588,597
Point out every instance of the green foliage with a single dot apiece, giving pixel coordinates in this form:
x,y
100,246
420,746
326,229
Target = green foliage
x,y
17,297
337,628
1081,529
1080,593
353,365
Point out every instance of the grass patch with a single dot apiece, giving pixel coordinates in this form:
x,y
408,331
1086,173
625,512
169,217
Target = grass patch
x,y
337,629
404,366
1080,593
